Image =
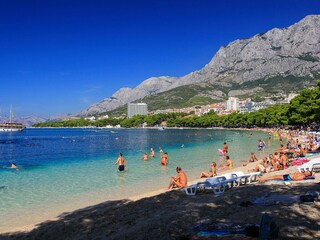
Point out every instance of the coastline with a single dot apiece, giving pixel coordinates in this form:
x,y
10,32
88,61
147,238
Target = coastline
x,y
137,199
39,211
162,205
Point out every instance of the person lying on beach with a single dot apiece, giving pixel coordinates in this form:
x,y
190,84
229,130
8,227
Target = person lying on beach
x,y
180,180
297,176
212,171
145,157
263,166
121,162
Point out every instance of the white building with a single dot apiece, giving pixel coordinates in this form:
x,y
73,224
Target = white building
x,y
92,118
137,109
291,96
233,104
103,117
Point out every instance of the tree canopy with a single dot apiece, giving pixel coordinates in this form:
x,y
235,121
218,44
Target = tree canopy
x,y
302,110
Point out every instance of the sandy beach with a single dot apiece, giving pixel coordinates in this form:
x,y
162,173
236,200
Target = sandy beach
x,y
172,214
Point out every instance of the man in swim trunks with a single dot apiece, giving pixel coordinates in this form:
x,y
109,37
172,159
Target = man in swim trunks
x,y
297,176
180,180
121,162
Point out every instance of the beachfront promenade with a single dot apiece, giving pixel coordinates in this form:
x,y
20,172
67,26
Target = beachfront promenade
x,y
172,214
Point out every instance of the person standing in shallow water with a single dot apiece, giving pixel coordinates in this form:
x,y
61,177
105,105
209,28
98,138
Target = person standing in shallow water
x,y
164,159
151,152
121,162
225,148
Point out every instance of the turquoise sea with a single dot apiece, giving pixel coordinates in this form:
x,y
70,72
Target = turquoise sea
x,y
63,169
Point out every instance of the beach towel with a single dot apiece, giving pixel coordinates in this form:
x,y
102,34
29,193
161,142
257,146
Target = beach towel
x,y
225,230
274,199
309,164
299,161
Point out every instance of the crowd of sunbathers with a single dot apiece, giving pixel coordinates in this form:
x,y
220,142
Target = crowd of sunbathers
x,y
291,150
298,144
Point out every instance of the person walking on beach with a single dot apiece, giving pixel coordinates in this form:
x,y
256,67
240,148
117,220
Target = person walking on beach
x,y
180,180
121,162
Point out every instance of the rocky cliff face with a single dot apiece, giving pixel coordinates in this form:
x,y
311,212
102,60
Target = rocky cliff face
x,y
290,51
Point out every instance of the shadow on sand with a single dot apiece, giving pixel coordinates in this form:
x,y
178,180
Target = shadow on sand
x,y
173,215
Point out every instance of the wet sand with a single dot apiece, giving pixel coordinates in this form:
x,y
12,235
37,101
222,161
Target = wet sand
x,y
172,214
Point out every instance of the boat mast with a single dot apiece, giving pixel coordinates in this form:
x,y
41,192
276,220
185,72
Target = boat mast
x,y
10,113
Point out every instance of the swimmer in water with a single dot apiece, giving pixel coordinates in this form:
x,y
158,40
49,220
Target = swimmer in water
x,y
14,166
145,157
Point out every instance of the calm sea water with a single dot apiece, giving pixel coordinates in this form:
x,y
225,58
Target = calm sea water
x,y
60,169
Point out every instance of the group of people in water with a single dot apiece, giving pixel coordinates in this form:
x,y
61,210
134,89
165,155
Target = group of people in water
x,y
121,162
279,160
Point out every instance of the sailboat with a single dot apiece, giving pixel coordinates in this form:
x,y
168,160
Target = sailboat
x,y
11,126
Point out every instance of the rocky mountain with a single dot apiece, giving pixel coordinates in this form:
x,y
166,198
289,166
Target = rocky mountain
x,y
26,120
292,51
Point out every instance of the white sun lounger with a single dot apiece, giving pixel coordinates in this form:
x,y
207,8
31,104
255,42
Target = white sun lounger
x,y
246,178
308,165
316,168
217,184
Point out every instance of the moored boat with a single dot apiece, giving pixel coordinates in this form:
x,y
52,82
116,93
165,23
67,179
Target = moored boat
x,y
11,126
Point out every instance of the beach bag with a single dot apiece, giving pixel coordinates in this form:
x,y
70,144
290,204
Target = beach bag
x,y
268,228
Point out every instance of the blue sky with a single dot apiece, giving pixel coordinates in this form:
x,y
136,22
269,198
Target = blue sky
x,y
60,56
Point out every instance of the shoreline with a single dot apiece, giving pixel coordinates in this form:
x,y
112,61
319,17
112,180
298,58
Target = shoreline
x,y
135,198
163,204
31,226
53,213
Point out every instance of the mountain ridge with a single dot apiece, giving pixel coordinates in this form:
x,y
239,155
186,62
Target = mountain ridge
x,y
294,50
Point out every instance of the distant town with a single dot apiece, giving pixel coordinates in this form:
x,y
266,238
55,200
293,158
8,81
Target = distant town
x,y
233,104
